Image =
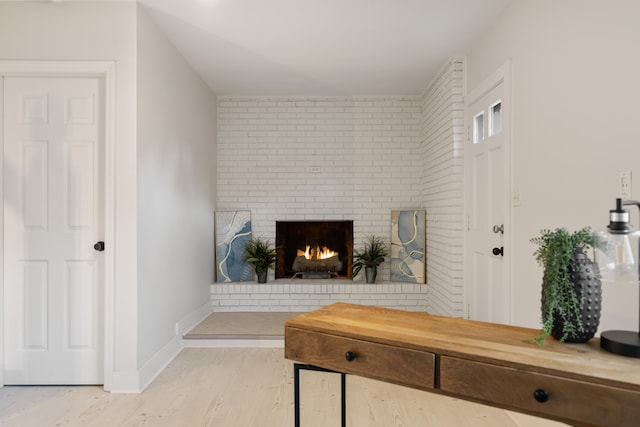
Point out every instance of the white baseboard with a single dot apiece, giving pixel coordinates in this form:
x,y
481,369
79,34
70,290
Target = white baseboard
x,y
124,382
154,366
192,319
159,361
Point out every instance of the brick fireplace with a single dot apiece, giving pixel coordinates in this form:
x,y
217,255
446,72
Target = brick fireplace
x,y
325,159
314,249
337,158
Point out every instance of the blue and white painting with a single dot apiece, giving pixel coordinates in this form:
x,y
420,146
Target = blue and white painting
x,y
233,230
408,238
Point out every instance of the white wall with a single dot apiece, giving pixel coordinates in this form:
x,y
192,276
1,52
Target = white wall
x,y
165,166
441,142
96,31
176,152
575,92
319,158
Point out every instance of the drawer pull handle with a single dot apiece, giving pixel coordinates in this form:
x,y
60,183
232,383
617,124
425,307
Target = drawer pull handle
x,y
350,356
541,395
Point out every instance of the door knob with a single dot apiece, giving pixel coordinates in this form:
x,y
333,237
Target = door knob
x,y
498,229
99,246
498,251
541,395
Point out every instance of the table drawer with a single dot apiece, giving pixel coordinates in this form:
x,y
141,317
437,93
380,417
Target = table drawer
x,y
578,402
407,367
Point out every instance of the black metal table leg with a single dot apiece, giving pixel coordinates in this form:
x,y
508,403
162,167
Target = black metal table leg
x,y
343,381
296,395
296,391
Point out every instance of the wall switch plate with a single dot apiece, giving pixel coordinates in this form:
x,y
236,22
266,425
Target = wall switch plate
x,y
515,199
625,185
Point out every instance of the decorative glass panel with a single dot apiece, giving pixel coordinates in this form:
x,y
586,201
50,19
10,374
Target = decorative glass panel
x,y
495,119
478,127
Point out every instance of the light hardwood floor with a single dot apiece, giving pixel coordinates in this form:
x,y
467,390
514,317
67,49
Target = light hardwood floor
x,y
239,387
241,325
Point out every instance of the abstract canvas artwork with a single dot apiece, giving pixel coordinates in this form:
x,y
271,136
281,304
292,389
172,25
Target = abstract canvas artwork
x,y
232,229
408,238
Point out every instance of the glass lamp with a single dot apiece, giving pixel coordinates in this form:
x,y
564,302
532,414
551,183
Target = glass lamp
x,y
617,256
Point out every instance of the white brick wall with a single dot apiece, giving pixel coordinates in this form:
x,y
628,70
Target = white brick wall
x,y
319,159
442,147
305,295
347,159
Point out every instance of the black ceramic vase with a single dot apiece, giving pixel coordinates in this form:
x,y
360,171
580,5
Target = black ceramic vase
x,y
585,276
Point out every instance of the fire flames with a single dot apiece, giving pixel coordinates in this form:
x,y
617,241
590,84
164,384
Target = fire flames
x,y
317,253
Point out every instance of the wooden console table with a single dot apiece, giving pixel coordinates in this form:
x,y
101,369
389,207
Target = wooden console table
x,y
498,365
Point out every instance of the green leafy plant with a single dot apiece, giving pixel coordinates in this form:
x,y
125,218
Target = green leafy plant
x,y
559,301
259,253
375,249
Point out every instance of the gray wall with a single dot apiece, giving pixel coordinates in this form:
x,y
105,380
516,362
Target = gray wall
x,y
575,91
176,163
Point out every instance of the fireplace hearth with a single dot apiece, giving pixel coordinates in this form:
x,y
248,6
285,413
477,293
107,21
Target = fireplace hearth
x,y
314,249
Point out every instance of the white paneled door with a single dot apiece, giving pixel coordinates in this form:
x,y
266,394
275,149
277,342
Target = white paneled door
x,y
53,227
487,201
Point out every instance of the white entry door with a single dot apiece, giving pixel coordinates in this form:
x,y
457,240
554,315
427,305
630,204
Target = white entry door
x,y
487,201
53,217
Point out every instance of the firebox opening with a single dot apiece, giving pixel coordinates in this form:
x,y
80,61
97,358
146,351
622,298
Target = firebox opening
x,y
314,249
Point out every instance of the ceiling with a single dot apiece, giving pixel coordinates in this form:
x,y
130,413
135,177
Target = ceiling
x,y
321,47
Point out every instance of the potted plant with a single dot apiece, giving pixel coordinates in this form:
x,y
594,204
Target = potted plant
x,y
375,249
259,253
571,289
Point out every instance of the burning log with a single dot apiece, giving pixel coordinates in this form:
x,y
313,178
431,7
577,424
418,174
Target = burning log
x,y
329,264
